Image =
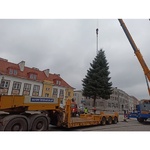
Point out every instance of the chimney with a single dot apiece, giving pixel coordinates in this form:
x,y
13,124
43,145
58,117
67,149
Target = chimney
x,y
3,59
35,68
57,74
21,65
46,72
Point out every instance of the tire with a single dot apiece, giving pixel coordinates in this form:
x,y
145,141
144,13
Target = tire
x,y
115,121
16,124
109,121
103,121
141,120
73,114
53,118
40,123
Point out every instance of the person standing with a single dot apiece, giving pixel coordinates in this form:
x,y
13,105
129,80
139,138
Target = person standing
x,y
85,110
94,110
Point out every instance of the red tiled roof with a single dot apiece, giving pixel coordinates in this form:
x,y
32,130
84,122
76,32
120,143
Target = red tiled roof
x,y
57,77
5,65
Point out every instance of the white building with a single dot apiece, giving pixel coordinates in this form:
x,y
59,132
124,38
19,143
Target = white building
x,y
119,101
78,97
18,86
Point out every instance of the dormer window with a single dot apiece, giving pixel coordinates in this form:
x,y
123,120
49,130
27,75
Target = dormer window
x,y
32,76
58,82
13,71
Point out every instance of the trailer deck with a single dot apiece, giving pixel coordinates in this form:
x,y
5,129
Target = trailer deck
x,y
88,119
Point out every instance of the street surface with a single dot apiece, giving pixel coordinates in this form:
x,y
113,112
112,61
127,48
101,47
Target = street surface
x,y
129,125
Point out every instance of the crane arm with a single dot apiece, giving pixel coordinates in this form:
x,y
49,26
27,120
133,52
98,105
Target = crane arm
x,y
137,52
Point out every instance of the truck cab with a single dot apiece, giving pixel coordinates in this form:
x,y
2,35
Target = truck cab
x,y
142,112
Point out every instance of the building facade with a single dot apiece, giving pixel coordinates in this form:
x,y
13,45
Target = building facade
x,y
78,97
17,79
119,101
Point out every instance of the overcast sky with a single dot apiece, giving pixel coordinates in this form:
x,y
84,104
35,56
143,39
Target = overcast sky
x,y
68,46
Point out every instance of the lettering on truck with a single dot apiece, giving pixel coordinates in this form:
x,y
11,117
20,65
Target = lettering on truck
x,y
29,99
42,100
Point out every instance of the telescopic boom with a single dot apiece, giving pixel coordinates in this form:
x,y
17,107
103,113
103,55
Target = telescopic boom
x,y
137,53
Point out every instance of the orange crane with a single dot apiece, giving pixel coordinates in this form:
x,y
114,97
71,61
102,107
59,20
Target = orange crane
x,y
137,53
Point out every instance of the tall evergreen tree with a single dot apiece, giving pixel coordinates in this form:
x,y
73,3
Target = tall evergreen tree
x,y
96,83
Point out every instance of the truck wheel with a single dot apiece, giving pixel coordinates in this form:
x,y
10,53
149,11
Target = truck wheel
x,y
73,114
115,120
40,124
109,121
141,120
103,121
16,124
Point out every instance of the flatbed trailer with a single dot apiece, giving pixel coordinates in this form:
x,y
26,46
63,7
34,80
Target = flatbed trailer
x,y
88,119
25,113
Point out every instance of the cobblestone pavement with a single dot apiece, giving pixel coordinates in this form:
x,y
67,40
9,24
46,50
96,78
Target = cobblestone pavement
x,y
129,125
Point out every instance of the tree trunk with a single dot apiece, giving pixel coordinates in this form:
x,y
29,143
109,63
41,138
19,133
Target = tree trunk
x,y
94,102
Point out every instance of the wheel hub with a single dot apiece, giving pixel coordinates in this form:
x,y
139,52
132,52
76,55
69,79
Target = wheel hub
x,y
16,127
39,125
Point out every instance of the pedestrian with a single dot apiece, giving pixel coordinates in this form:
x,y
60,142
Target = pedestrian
x,y
125,115
94,110
85,110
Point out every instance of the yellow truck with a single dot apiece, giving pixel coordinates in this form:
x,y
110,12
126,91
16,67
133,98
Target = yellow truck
x,y
26,113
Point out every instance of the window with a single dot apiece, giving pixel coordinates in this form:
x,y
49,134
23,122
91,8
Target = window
x,y
33,76
16,88
61,102
36,88
27,87
47,89
58,82
13,71
61,93
55,91
5,84
46,95
69,94
16,85
109,104
10,71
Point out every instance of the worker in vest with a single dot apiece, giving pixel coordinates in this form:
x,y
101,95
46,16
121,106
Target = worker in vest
x,y
85,110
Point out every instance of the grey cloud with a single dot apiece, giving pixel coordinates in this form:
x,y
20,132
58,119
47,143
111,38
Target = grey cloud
x,y
68,46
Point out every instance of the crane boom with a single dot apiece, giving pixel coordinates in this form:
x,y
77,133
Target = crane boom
x,y
137,53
